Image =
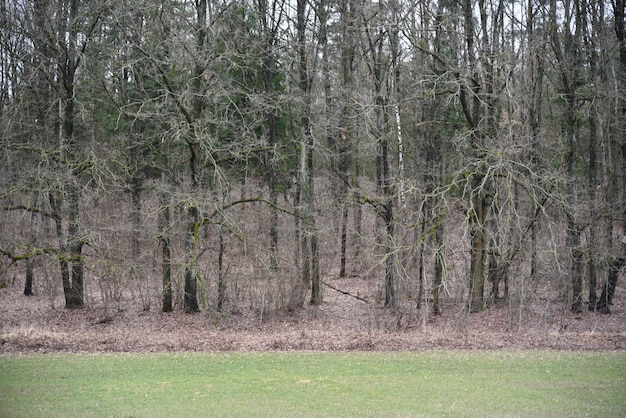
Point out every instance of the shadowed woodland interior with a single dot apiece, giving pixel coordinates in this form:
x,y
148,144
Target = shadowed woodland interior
x,y
239,157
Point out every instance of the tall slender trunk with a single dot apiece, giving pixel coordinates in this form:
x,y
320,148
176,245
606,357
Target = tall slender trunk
x,y
221,280
387,190
619,11
344,239
74,242
136,187
271,178
376,40
347,144
41,62
620,29
421,288
164,238
75,245
269,26
493,272
190,300
566,47
535,82
439,263
299,240
477,262
28,283
434,161
357,210
592,244
323,13
390,285
573,231
470,98
310,267
63,256
595,21
617,262
166,258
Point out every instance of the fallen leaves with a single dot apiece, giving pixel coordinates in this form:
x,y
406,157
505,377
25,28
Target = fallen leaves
x,y
30,325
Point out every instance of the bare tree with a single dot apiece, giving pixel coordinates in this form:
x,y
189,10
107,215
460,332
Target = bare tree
x,y
566,48
617,256
310,250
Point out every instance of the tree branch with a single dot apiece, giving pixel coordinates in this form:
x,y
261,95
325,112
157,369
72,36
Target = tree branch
x,y
345,292
29,209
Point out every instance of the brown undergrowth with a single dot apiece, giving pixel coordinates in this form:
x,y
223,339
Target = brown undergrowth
x,y
32,325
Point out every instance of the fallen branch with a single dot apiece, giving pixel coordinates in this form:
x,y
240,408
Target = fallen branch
x,y
345,293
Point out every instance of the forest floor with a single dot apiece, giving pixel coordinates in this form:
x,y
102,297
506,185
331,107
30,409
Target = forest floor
x,y
343,322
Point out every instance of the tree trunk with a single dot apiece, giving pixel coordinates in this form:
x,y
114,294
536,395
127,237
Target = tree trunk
x,y
566,47
418,234
573,231
190,299
470,95
620,28
75,245
269,28
166,256
573,235
378,68
344,238
577,281
594,20
386,188
63,256
439,263
28,283
477,264
68,66
271,178
603,304
493,272
310,267
592,245
536,70
617,263
346,146
221,280
136,187
435,154
390,286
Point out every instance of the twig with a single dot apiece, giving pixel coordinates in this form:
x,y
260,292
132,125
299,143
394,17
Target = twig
x,y
345,293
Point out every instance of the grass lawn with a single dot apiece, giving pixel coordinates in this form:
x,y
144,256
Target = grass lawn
x,y
435,383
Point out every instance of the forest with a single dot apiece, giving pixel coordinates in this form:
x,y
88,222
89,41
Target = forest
x,y
222,156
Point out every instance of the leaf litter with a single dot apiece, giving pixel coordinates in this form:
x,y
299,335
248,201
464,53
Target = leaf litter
x,y
341,323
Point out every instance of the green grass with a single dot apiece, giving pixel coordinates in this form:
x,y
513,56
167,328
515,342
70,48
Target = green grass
x,y
439,383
